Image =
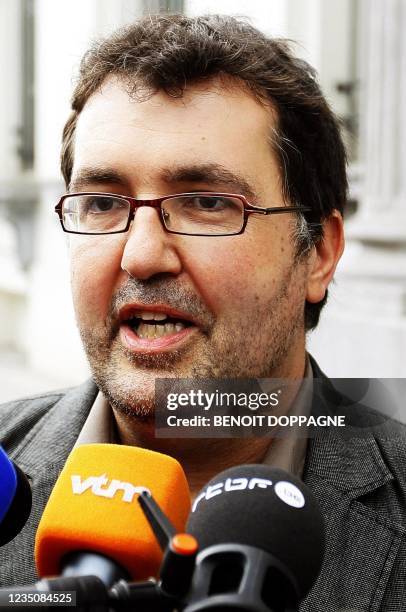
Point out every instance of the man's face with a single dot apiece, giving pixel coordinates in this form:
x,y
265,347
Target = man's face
x,y
240,297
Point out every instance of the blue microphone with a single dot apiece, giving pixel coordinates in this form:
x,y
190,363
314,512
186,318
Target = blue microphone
x,y
15,499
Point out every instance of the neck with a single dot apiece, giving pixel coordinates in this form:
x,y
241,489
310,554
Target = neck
x,y
201,459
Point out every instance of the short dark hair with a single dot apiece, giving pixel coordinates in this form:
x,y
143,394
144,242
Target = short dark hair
x,y
169,52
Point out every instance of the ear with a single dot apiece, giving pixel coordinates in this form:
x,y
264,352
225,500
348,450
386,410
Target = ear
x,y
325,257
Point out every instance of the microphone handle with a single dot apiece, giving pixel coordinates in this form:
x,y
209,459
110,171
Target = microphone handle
x,y
141,597
88,563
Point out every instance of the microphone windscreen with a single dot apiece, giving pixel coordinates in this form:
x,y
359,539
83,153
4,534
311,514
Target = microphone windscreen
x,y
19,507
94,507
8,483
266,508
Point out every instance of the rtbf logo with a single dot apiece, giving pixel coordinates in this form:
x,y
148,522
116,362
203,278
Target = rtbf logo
x,y
231,484
97,485
286,491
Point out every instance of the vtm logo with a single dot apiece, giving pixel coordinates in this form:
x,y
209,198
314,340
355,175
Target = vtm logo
x,y
100,487
231,484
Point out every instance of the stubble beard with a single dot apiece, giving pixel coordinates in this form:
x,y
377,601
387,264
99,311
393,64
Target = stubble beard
x,y
251,346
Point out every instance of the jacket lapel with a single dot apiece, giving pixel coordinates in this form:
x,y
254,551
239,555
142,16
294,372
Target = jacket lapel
x,y
345,471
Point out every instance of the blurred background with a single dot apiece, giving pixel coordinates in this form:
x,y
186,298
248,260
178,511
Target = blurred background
x,y
359,50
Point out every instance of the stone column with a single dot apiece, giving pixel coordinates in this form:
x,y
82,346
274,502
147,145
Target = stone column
x,y
363,332
382,213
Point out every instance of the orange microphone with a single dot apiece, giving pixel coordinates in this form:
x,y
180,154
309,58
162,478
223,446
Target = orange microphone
x,y
93,513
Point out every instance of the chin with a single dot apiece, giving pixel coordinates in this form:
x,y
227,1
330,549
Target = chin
x,y
129,393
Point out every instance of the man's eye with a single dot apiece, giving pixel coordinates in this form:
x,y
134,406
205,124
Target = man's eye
x,y
208,204
102,205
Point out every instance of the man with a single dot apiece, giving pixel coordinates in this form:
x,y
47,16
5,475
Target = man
x,y
222,282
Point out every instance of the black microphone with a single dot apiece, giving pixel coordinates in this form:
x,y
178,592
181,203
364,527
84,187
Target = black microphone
x,y
15,499
261,540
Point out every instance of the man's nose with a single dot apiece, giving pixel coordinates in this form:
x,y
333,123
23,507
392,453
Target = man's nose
x,y
149,249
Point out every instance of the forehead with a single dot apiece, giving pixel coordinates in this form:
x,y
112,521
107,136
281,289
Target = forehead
x,y
210,124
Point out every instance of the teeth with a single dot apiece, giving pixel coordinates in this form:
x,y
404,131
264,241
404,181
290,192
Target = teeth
x,y
169,328
159,331
148,330
152,316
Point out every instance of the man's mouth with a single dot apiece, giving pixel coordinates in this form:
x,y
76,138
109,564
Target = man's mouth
x,y
155,330
156,325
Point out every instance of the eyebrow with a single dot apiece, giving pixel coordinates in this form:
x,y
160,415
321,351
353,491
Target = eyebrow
x,y
89,176
215,174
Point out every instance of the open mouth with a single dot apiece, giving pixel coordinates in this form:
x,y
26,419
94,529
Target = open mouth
x,y
152,325
158,329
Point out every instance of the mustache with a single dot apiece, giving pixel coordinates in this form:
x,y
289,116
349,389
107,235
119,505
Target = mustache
x,y
160,290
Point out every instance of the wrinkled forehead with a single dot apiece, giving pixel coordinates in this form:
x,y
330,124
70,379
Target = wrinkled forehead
x,y
212,124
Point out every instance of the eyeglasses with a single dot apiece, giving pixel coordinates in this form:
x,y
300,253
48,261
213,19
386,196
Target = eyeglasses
x,y
188,214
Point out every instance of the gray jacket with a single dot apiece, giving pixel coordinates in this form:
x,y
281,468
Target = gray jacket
x,y
360,483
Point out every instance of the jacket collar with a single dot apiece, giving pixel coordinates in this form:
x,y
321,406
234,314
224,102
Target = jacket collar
x,y
350,459
59,428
